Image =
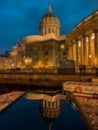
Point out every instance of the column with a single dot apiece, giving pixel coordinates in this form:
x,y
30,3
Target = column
x,y
50,29
82,51
43,30
77,53
84,55
92,46
74,52
96,46
68,56
89,50
56,30
46,30
70,51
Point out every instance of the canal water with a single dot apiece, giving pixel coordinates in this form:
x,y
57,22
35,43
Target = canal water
x,y
41,111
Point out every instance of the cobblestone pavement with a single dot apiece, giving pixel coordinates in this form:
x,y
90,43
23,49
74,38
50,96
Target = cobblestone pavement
x,y
89,108
9,98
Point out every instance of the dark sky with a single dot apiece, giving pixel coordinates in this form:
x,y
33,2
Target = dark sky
x,y
19,18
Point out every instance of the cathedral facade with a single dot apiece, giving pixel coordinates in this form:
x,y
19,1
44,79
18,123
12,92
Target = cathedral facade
x,y
44,50
49,48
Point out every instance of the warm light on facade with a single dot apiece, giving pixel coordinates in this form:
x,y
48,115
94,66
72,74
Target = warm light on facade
x,y
28,60
93,36
62,46
79,43
90,56
86,39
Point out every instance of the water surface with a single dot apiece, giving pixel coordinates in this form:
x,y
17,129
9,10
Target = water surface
x,y
30,114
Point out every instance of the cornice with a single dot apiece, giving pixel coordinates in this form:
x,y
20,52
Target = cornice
x,y
39,38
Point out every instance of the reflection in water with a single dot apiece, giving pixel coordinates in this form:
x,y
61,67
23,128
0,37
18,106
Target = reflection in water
x,y
50,102
42,110
50,110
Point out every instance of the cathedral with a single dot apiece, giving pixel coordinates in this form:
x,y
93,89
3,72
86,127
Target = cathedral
x,y
41,51
51,50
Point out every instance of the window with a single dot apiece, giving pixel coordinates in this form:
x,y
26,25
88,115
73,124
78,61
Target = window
x,y
46,53
64,53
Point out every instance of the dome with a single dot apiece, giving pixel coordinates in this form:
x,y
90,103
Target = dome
x,y
49,14
49,23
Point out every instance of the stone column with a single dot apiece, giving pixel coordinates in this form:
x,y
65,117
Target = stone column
x,y
74,52
70,52
84,55
43,30
82,51
56,30
47,30
93,48
79,49
96,46
77,63
68,56
89,50
51,29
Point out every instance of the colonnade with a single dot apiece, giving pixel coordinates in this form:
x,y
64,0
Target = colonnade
x,y
50,104
50,29
84,50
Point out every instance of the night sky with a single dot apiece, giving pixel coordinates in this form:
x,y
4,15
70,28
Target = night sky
x,y
19,18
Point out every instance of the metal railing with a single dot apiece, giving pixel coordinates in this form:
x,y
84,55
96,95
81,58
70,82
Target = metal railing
x,y
68,71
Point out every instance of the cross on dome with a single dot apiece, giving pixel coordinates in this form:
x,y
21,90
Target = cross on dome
x,y
49,7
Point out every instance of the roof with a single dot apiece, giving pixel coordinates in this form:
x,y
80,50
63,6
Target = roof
x,y
49,14
32,38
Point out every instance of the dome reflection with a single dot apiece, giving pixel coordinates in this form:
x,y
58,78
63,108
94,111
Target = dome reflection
x,y
49,104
